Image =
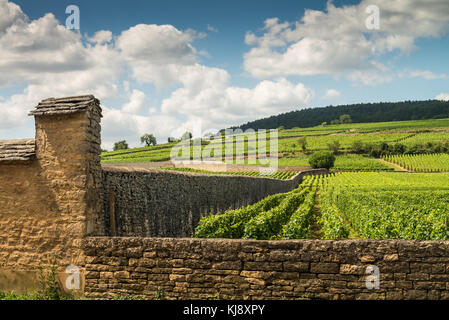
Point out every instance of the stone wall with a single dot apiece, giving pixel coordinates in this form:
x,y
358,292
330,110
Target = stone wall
x,y
49,203
54,193
250,269
208,165
159,203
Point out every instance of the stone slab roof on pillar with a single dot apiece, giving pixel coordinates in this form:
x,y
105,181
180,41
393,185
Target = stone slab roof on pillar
x,y
66,105
17,150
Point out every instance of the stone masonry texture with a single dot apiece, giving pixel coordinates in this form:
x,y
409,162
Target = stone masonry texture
x,y
256,269
49,203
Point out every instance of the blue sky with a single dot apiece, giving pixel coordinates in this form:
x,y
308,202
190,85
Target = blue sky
x,y
164,67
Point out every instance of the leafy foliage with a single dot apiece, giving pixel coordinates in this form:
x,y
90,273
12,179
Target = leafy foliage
x,y
262,220
232,223
268,224
148,139
300,222
322,159
121,145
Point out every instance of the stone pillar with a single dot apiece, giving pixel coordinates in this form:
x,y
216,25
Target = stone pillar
x,y
68,154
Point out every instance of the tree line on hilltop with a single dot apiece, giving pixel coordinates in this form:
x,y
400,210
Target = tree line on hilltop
x,y
358,113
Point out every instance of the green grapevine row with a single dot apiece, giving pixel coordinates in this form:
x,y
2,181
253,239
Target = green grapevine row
x,y
387,205
246,223
422,162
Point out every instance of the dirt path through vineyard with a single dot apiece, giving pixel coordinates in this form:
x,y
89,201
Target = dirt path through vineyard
x,y
393,164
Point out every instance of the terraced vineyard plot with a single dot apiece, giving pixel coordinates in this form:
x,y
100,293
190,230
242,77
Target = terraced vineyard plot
x,y
346,141
424,137
386,205
408,133
392,126
342,162
359,162
422,162
145,154
299,160
281,216
374,205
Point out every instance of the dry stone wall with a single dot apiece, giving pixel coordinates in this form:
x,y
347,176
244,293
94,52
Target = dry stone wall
x,y
250,269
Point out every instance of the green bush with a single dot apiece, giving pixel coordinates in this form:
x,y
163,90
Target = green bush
x,y
322,159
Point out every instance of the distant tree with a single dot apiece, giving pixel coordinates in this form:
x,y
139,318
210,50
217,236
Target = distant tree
x,y
335,122
334,146
104,150
324,123
345,118
322,159
358,147
303,143
148,139
171,139
186,136
208,135
121,145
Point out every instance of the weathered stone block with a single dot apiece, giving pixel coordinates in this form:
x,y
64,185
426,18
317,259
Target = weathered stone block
x,y
352,269
296,266
325,267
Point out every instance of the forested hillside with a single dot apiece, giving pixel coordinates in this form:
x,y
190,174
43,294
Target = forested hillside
x,y
359,113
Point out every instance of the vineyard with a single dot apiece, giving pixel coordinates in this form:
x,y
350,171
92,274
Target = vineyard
x,y
345,140
421,162
363,197
342,162
290,151
369,205
281,216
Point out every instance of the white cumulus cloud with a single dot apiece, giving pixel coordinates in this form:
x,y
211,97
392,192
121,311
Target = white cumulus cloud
x,y
137,101
331,94
337,40
442,96
49,60
221,105
101,36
